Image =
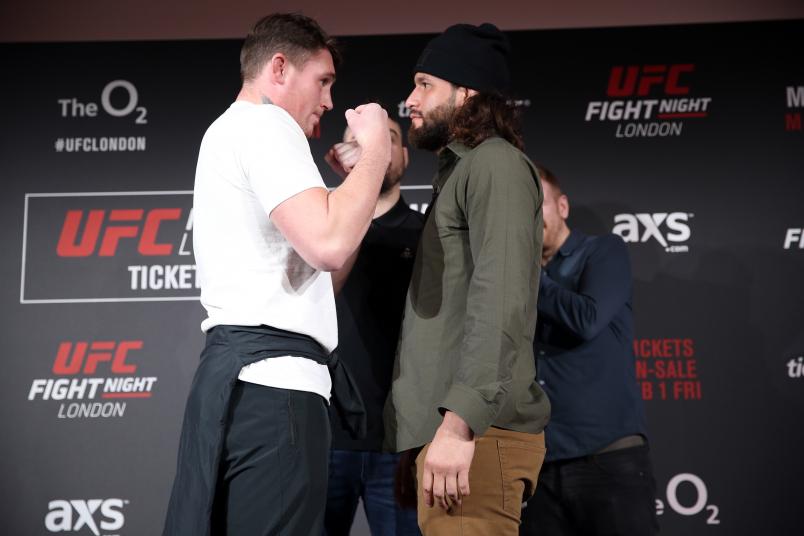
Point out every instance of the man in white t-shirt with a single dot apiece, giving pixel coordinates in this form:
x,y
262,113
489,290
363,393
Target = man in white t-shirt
x,y
267,232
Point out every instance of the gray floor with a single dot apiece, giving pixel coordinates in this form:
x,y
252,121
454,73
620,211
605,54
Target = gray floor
x,y
360,526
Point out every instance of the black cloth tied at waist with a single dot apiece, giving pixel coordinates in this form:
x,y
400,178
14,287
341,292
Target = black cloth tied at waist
x,y
262,342
228,349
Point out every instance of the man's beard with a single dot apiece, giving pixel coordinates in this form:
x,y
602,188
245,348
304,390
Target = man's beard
x,y
434,133
392,177
387,184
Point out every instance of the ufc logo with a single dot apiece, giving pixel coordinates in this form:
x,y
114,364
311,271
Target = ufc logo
x,y
74,515
636,80
121,224
628,227
74,358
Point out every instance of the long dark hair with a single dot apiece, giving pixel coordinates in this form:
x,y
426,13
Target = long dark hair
x,y
484,115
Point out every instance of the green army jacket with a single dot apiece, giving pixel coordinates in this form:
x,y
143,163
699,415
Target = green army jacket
x,y
466,343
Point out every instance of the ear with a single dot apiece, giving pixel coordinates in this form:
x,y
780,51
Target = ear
x,y
563,207
278,68
404,158
462,94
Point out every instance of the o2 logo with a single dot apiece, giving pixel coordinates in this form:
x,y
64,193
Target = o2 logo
x,y
74,108
698,506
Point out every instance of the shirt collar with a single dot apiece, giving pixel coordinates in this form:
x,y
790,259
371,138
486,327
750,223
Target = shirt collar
x,y
573,241
458,148
447,160
395,215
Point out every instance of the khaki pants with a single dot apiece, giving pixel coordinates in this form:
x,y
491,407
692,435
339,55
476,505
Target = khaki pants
x,y
504,472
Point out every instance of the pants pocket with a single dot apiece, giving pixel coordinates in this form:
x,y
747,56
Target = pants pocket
x,y
626,463
520,462
291,421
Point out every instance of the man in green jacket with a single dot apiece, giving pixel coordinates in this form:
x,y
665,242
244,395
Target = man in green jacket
x,y
464,384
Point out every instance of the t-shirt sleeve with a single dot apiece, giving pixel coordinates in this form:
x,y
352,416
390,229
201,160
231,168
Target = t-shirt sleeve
x,y
277,161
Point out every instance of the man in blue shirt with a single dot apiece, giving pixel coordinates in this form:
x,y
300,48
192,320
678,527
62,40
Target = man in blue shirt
x,y
597,477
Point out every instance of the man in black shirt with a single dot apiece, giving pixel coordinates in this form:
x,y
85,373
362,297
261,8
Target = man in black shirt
x,y
597,477
370,306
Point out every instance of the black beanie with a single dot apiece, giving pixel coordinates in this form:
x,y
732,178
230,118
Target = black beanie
x,y
475,57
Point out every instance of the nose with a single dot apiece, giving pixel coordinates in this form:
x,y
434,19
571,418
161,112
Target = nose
x,y
412,101
326,104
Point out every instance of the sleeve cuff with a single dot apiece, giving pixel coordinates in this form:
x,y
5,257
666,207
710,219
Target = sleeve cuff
x,y
470,406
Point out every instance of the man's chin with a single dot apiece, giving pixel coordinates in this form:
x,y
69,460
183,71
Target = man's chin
x,y
313,129
388,184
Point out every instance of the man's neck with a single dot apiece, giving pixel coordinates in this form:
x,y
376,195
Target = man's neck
x,y
250,93
547,256
386,201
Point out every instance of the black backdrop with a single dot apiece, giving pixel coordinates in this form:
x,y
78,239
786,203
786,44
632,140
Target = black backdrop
x,y
101,319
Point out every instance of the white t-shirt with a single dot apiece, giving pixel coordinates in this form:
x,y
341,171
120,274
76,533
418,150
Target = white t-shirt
x,y
252,158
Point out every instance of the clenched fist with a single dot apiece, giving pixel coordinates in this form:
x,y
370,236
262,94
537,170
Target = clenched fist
x,y
369,124
342,157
